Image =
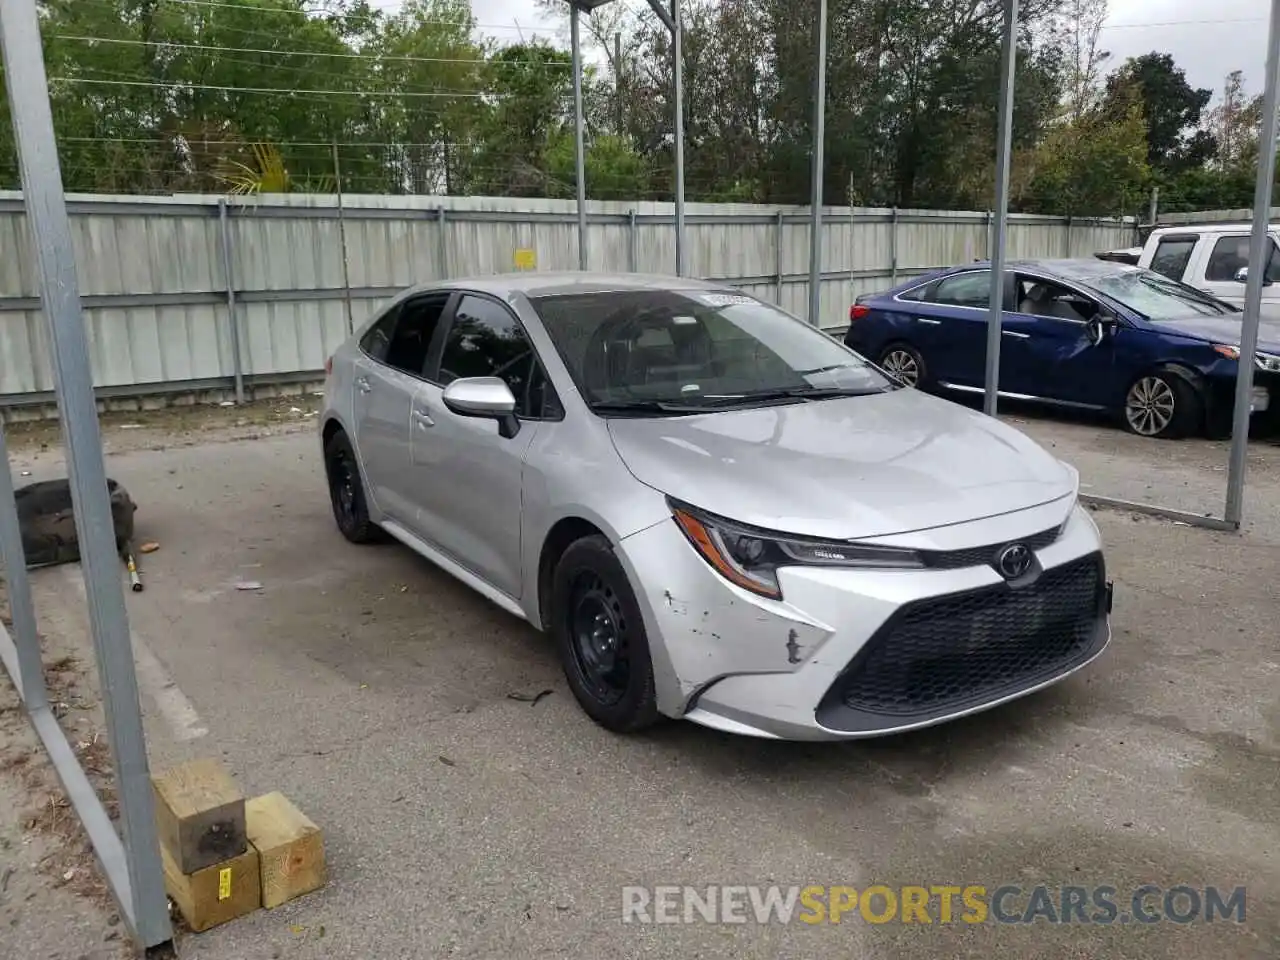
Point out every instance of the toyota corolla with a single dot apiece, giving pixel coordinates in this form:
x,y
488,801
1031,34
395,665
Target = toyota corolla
x,y
718,512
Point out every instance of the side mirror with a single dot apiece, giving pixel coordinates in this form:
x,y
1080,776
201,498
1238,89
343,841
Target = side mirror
x,y
1242,276
1099,328
486,398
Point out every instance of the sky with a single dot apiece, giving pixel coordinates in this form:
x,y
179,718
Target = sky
x,y
1222,35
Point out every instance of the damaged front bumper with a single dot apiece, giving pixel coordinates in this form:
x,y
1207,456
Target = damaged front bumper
x,y
861,653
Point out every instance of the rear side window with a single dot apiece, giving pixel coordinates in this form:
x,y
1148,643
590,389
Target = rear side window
x,y
964,290
1230,254
1172,255
402,339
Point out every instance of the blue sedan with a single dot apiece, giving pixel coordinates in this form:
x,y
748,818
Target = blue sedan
x,y
1159,355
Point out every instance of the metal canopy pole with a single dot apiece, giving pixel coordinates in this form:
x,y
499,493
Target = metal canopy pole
x,y
819,138
1259,247
1008,56
580,163
144,901
677,51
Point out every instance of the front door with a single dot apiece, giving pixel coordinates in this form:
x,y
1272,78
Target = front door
x,y
1048,334
466,478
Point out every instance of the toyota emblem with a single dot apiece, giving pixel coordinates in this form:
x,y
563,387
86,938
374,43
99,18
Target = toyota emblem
x,y
1014,561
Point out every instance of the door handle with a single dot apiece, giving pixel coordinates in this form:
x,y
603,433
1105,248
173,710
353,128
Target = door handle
x,y
929,320
363,385
1016,335
423,417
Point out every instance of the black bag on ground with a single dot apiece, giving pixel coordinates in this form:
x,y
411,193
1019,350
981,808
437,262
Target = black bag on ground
x,y
47,520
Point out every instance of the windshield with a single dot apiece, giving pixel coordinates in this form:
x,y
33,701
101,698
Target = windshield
x,y
1158,298
661,352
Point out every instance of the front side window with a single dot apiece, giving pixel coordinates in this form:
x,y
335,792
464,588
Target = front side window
x,y
964,290
1043,298
1172,255
688,350
486,340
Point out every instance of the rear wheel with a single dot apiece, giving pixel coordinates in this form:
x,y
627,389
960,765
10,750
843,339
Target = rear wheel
x,y
346,491
599,631
1164,405
904,362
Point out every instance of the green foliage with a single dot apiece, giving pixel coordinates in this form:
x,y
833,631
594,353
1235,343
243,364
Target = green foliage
x,y
249,96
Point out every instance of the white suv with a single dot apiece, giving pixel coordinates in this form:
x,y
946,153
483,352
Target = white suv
x,y
1213,258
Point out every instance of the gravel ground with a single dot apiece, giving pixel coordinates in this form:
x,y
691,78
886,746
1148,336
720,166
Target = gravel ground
x,y
377,693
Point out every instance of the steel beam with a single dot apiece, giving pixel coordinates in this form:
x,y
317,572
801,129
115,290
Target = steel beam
x,y
144,900
25,669
1259,259
818,148
1000,221
579,152
677,53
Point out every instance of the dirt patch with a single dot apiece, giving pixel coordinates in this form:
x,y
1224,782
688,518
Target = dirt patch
x,y
53,898
178,426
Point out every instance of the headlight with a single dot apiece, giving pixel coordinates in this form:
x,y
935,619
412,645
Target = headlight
x,y
750,557
1263,361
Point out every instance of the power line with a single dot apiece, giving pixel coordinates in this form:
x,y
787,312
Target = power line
x,y
356,17
296,53
183,85
1181,23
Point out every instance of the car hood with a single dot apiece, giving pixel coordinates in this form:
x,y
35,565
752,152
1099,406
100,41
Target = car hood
x,y
1223,330
846,468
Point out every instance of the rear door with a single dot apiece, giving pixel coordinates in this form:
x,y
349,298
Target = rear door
x,y
390,369
947,324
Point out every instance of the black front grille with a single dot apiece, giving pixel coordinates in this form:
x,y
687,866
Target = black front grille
x,y
986,555
938,656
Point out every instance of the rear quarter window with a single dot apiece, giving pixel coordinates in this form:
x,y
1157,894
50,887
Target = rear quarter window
x,y
1172,254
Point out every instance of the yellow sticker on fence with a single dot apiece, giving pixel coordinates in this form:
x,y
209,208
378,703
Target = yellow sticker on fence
x,y
224,883
526,259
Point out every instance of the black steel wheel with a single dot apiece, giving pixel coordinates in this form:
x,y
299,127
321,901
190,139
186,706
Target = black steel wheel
x,y
346,491
600,634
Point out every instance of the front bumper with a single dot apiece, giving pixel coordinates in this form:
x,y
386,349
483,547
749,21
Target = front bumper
x,y
863,653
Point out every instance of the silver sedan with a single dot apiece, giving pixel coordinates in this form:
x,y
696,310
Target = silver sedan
x,y
718,512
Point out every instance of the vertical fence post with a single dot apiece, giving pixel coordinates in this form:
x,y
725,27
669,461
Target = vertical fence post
x,y
777,254
342,235
233,320
442,238
1066,239
893,248
27,673
990,223
631,240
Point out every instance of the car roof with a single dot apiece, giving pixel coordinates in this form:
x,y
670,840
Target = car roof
x,y
1208,228
537,283
1080,269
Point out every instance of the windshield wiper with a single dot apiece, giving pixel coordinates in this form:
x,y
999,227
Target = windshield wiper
x,y
796,393
645,406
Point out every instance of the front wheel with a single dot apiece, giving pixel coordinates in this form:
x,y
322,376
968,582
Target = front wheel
x,y
1163,405
599,631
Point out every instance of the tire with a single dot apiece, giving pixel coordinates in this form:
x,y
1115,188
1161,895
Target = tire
x,y
599,633
1163,405
346,492
905,362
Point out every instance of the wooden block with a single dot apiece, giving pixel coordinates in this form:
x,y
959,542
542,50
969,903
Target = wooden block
x,y
199,815
290,848
214,894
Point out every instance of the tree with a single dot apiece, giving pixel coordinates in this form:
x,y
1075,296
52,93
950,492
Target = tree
x,y
1172,109
1080,26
